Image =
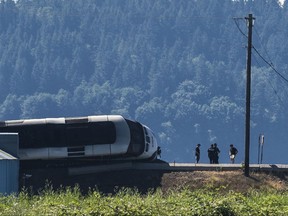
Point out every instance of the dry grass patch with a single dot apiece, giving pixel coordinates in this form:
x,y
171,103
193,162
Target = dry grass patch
x,y
223,180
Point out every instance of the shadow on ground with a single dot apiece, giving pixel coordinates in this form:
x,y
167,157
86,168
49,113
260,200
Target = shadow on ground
x,y
105,182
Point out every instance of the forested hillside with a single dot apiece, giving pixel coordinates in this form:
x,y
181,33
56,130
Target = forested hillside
x,y
177,66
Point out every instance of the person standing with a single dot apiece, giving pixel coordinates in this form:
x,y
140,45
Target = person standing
x,y
197,153
159,151
232,153
216,153
211,154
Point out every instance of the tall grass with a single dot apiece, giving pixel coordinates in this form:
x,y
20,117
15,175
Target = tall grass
x,y
70,201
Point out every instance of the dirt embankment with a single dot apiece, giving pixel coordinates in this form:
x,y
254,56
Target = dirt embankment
x,y
225,181
145,180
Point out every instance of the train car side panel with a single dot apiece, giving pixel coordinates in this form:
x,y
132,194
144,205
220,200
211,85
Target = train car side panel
x,y
122,137
33,153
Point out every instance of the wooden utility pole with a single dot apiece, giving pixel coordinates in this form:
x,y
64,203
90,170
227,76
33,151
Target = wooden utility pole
x,y
249,20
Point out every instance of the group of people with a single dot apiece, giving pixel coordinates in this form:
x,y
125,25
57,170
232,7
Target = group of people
x,y
214,152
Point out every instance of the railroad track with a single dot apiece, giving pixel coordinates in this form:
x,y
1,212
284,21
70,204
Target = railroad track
x,y
173,167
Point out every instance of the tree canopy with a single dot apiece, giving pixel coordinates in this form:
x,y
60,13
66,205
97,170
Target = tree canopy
x,y
177,66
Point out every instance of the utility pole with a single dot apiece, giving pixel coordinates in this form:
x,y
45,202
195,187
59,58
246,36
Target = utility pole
x,y
249,20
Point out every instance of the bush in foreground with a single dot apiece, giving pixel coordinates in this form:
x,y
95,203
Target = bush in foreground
x,y
129,202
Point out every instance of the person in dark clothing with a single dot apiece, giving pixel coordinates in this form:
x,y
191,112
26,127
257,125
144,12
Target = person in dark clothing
x,y
216,154
232,153
159,151
211,154
197,153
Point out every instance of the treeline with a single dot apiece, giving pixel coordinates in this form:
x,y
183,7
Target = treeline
x,y
178,66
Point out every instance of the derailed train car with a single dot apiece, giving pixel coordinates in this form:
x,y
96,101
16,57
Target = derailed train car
x,y
91,137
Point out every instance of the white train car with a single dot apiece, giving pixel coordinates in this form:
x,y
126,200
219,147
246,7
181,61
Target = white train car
x,y
104,136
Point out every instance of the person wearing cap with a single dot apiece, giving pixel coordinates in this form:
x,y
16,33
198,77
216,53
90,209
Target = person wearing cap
x,y
197,153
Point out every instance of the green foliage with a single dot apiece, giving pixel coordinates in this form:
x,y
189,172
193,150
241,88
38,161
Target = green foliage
x,y
155,47
155,61
69,201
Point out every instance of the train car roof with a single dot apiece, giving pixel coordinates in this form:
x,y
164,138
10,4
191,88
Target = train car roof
x,y
63,120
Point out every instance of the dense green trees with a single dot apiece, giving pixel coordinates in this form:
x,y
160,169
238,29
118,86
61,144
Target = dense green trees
x,y
175,65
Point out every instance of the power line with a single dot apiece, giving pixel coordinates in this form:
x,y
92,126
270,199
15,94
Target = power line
x,y
235,18
266,52
270,64
271,85
274,89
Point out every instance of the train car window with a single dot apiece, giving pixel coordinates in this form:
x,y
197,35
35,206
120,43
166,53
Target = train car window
x,y
145,131
76,120
92,133
147,147
148,139
30,136
60,135
137,142
56,136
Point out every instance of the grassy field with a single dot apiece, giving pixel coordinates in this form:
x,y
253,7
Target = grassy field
x,y
130,202
127,202
211,193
